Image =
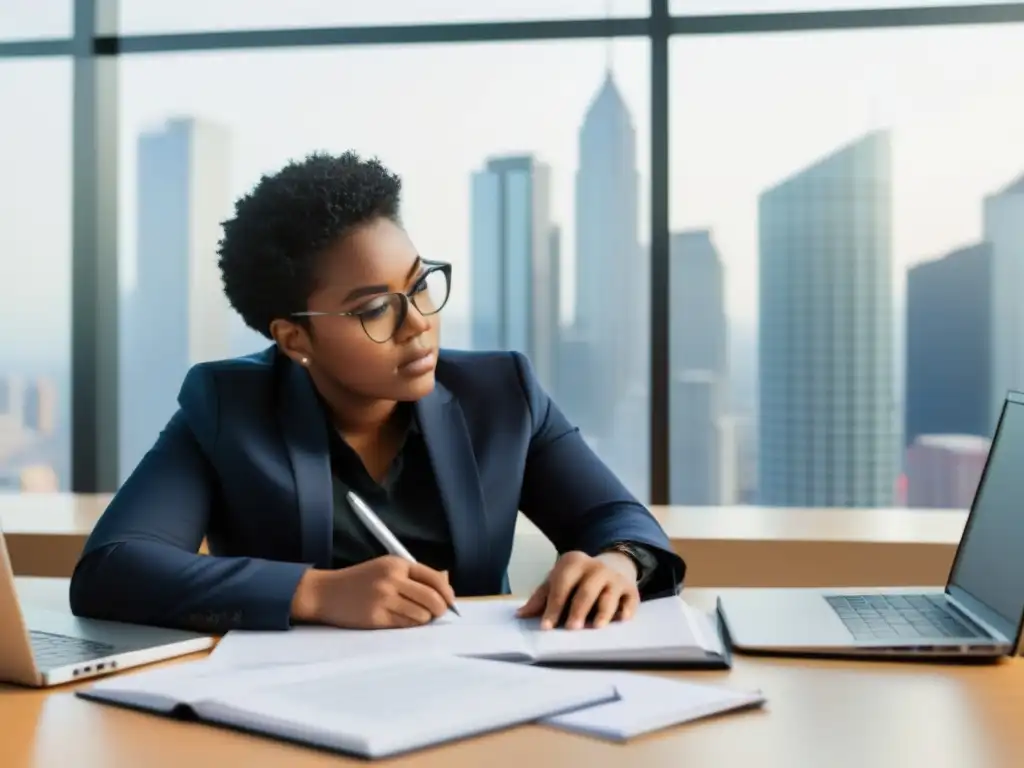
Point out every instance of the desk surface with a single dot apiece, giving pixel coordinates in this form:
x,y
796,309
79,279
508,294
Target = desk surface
x,y
75,515
834,714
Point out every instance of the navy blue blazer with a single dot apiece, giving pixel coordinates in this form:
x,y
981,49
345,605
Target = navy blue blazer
x,y
245,463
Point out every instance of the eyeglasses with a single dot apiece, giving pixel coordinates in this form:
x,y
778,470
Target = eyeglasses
x,y
383,315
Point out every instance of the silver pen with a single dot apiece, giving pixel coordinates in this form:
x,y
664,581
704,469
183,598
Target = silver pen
x,y
381,533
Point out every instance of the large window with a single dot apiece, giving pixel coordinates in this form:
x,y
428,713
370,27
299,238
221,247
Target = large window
x,y
35,272
843,217
847,217
144,16
533,186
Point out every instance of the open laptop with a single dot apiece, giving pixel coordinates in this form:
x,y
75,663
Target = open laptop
x,y
42,648
978,614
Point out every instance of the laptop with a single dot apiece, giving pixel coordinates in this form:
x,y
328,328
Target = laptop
x,y
979,614
41,648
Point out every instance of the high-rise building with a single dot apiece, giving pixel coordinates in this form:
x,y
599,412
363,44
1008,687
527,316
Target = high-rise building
x,y
611,279
611,312
514,273
41,406
703,443
943,471
183,188
702,455
948,345
827,420
699,337
1004,230
575,364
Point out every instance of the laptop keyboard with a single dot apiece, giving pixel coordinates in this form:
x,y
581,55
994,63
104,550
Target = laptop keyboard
x,y
58,650
900,617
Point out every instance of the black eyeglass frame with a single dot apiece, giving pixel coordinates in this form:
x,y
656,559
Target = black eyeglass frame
x,y
404,299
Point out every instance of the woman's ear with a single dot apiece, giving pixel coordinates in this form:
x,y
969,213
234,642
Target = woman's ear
x,y
293,340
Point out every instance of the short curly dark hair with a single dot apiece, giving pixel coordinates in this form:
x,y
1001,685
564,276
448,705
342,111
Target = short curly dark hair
x,y
268,254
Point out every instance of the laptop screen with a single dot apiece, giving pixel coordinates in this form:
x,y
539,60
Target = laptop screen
x,y
989,565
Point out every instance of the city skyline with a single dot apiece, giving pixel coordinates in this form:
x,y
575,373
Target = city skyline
x,y
955,130
953,145
517,184
204,246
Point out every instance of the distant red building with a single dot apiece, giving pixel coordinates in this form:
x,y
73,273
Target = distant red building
x,y
943,470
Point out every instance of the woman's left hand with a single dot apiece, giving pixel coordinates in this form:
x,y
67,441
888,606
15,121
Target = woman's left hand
x,y
581,586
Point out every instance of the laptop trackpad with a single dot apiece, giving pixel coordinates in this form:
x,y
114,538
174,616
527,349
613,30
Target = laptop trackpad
x,y
782,619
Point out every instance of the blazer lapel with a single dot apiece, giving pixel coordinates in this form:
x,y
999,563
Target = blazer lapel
x,y
451,455
305,434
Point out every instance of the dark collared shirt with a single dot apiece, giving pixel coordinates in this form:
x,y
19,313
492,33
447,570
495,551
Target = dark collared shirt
x,y
409,504
407,501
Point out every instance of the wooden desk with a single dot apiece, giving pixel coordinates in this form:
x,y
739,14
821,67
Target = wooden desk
x,y
827,714
724,546
45,532
795,547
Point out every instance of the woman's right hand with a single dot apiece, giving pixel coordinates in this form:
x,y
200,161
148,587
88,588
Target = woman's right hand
x,y
383,593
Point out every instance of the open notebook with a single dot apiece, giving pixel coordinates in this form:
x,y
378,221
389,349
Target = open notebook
x,y
648,703
370,707
664,632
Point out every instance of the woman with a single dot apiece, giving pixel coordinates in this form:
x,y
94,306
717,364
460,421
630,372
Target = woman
x,y
356,395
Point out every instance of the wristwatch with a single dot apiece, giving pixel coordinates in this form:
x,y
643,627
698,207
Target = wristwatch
x,y
644,561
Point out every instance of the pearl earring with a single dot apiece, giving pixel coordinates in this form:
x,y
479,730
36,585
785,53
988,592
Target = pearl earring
x,y
305,361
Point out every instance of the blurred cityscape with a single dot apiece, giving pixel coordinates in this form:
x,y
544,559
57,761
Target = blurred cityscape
x,y
820,404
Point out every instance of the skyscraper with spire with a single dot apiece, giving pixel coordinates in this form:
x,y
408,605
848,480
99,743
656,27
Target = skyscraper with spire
x,y
610,313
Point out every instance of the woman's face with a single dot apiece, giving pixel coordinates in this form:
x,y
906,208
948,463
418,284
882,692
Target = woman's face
x,y
370,354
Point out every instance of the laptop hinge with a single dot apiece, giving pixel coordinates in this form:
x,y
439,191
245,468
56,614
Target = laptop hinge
x,y
983,625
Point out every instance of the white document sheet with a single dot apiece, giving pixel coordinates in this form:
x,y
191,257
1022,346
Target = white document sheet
x,y
486,630
649,703
662,630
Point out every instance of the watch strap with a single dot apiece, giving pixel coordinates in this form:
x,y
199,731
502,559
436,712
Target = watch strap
x,y
644,560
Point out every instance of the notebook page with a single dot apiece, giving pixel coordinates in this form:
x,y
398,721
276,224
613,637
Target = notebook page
x,y
649,703
486,629
385,704
501,613
186,683
659,625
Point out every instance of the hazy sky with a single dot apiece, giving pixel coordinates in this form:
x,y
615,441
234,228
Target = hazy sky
x,y
746,111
